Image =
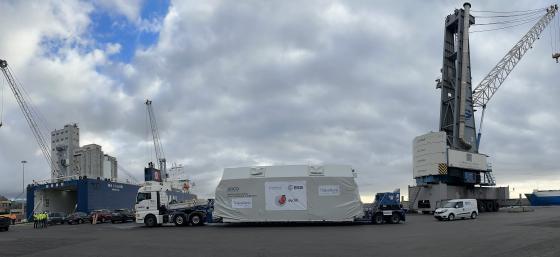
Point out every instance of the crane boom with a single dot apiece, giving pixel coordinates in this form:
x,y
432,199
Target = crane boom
x,y
29,116
158,147
490,84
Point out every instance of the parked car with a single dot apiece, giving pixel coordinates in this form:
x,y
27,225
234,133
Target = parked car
x,y
11,216
457,208
76,218
103,215
122,215
56,218
5,223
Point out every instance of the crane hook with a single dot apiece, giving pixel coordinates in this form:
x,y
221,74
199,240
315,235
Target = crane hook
x,y
556,56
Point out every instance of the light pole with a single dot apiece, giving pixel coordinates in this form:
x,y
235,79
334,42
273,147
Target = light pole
x,y
23,177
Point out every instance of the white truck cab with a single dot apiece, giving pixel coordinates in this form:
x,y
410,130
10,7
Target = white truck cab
x,y
151,201
457,208
163,202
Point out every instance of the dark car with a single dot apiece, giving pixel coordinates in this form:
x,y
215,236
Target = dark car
x,y
122,215
76,218
5,223
103,216
56,218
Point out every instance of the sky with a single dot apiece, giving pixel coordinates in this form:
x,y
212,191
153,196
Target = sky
x,y
248,83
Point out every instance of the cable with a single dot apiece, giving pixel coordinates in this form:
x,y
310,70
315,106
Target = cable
x,y
2,105
507,16
506,27
533,17
509,11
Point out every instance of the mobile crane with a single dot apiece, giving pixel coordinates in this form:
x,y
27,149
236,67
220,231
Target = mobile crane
x,y
447,164
31,115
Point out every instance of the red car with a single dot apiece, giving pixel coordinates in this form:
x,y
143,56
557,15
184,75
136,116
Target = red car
x,y
103,216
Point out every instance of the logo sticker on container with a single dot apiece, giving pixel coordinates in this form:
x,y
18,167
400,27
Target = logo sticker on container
x,y
329,190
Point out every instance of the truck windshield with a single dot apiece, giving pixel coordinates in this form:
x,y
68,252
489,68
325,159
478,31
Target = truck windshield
x,y
143,196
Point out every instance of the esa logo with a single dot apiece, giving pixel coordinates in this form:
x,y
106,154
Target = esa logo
x,y
233,189
292,187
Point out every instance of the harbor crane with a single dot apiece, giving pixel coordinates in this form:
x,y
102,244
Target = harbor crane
x,y
447,164
158,147
30,114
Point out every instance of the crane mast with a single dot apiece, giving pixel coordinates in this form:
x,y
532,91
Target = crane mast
x,y
29,115
158,147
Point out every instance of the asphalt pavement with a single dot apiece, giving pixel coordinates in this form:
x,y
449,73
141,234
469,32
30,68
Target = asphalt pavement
x,y
492,234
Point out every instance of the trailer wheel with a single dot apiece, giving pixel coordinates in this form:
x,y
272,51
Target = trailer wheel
x,y
195,220
394,219
150,221
377,218
473,215
179,220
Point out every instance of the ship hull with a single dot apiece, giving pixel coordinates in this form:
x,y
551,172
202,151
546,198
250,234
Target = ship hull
x,y
545,198
80,195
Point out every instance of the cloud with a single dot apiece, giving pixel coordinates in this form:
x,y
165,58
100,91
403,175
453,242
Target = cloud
x,y
129,8
262,83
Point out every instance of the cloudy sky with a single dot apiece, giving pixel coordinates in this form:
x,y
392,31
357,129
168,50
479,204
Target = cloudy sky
x,y
243,83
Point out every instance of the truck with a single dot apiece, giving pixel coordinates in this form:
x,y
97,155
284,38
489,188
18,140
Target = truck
x,y
158,203
386,208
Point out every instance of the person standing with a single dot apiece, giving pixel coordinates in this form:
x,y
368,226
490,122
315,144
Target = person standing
x,y
46,219
35,220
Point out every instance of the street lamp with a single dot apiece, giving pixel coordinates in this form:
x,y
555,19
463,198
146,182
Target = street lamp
x,y
23,173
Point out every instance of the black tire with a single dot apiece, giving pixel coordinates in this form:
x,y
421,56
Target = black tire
x,y
377,219
80,221
481,207
394,219
180,220
451,217
496,207
150,221
196,220
490,206
473,215
113,221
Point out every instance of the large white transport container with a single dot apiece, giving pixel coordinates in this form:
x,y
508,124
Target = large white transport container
x,y
291,193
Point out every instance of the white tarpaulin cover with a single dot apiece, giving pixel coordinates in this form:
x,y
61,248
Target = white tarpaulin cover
x,y
288,193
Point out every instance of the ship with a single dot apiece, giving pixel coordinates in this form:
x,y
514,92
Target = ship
x,y
83,194
80,194
544,197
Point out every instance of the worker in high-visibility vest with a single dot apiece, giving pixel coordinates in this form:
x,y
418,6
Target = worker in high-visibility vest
x,y
35,220
45,219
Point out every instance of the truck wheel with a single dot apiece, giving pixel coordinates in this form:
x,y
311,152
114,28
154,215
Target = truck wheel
x,y
377,218
473,215
451,217
394,219
195,220
179,220
150,221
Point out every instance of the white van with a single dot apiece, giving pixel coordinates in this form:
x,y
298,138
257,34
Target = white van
x,y
457,208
